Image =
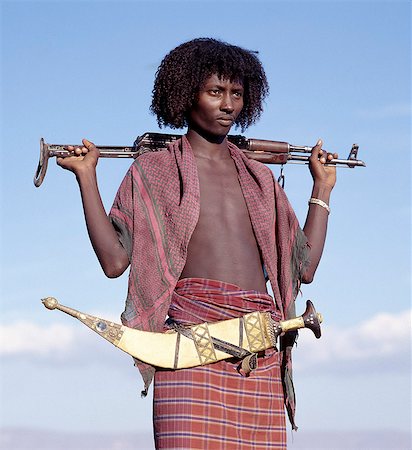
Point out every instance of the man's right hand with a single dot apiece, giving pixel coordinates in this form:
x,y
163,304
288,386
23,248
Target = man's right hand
x,y
82,159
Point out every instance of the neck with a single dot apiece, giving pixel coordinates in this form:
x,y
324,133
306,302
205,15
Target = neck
x,y
207,146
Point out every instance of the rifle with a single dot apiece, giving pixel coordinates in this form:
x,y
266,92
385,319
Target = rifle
x,y
265,151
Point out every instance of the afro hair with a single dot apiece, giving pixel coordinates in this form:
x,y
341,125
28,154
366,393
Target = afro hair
x,y
184,70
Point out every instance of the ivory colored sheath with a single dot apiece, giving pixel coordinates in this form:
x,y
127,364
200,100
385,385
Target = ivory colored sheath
x,y
199,344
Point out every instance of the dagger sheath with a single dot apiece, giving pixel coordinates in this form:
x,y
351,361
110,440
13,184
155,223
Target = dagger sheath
x,y
199,344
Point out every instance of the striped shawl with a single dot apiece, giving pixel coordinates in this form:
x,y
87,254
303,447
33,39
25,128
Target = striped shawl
x,y
155,212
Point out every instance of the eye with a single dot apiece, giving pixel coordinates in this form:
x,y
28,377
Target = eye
x,y
215,91
238,94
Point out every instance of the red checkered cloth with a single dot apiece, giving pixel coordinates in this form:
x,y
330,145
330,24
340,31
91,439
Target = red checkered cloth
x,y
214,406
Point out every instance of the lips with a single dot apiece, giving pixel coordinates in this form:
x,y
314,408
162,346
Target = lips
x,y
226,120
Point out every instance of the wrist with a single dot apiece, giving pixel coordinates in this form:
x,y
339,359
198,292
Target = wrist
x,y
318,202
322,191
86,176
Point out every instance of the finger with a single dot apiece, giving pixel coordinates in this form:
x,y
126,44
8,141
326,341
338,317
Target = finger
x,y
88,144
71,150
91,148
322,156
78,151
316,150
319,144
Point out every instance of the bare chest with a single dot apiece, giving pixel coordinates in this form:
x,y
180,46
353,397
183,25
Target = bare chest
x,y
222,203
223,245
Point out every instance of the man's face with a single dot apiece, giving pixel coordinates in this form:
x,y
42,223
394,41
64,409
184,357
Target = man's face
x,y
219,103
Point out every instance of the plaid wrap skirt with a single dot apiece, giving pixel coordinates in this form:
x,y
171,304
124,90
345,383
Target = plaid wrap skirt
x,y
214,406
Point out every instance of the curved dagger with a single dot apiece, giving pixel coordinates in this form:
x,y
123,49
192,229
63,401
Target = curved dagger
x,y
198,344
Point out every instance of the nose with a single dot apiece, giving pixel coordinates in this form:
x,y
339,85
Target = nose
x,y
227,103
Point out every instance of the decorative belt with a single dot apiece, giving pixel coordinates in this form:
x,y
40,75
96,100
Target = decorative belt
x,y
201,344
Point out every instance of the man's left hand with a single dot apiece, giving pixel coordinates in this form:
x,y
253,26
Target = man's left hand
x,y
321,173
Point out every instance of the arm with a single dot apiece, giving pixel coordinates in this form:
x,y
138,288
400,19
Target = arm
x,y
109,251
324,178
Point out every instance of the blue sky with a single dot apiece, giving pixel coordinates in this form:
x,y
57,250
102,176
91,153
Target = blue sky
x,y
337,70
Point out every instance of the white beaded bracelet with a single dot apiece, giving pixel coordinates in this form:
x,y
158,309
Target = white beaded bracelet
x,y
316,201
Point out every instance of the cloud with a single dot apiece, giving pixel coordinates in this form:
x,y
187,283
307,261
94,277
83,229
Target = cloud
x,y
383,341
380,342
25,337
56,344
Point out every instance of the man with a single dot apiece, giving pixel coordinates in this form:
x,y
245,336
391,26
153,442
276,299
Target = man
x,y
203,229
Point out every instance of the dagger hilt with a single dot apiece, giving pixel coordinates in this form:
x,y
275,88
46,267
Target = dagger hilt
x,y
309,319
